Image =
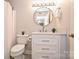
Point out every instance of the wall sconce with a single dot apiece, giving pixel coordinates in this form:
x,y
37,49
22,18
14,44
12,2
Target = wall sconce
x,y
58,13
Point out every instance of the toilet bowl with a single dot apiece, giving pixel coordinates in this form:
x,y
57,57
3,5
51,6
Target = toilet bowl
x,y
18,49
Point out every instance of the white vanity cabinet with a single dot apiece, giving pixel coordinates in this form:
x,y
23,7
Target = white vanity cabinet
x,y
49,45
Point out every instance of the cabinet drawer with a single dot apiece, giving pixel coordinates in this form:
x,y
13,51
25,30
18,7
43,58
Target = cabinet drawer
x,y
45,56
45,48
45,41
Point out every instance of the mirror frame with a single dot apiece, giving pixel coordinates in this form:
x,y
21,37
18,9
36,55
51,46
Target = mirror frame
x,y
49,14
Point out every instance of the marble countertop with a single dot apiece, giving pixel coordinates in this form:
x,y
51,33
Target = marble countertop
x,y
49,33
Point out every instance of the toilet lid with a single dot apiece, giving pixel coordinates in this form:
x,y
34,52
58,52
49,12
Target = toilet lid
x,y
17,48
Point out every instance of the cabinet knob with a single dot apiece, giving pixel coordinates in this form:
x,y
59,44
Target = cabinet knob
x,y
71,35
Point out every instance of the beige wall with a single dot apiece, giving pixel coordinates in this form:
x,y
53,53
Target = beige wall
x,y
24,20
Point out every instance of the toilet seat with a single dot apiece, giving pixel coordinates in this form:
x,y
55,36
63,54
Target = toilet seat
x,y
17,49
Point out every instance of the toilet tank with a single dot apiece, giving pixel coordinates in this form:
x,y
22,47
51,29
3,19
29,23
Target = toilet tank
x,y
22,39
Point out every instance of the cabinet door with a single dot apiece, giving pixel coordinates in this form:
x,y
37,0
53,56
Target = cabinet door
x,y
63,47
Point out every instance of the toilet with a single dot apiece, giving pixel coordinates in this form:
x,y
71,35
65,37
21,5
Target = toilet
x,y
18,49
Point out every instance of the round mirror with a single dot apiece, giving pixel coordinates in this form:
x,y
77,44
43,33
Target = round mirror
x,y
43,16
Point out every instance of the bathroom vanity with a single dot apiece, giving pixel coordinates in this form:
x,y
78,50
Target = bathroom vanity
x,y
48,45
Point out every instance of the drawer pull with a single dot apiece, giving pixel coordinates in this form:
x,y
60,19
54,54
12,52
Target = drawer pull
x,y
45,40
45,56
44,48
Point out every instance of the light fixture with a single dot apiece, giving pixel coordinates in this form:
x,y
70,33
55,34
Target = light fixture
x,y
58,13
58,2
